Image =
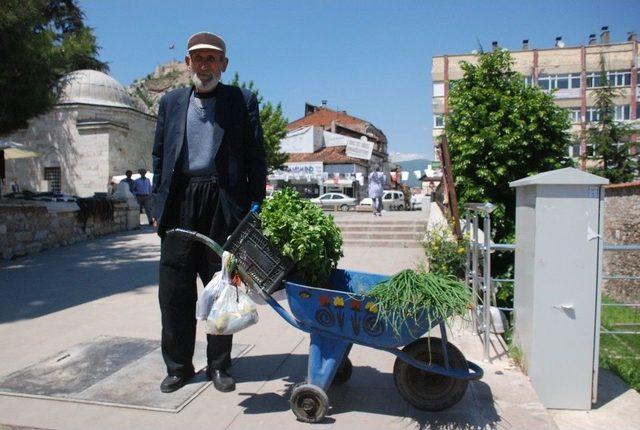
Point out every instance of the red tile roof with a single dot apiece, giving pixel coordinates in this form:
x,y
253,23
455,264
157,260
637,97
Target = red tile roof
x,y
323,117
331,154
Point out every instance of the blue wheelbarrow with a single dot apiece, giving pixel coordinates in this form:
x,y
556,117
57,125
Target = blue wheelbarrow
x,y
430,373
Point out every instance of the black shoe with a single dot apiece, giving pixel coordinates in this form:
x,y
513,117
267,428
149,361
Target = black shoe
x,y
222,380
173,382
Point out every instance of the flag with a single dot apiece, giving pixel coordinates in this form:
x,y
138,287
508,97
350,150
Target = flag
x,y
417,173
405,176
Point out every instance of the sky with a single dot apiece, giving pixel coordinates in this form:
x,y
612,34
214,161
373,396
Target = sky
x,y
369,58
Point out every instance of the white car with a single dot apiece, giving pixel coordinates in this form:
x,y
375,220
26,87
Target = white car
x,y
416,202
331,200
391,200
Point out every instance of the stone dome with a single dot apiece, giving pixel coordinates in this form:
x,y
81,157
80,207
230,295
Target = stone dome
x,y
93,87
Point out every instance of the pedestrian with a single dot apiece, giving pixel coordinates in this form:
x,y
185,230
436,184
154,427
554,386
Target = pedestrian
x,y
15,188
142,191
377,181
209,168
129,181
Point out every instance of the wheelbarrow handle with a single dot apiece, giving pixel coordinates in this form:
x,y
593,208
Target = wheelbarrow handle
x,y
200,238
212,244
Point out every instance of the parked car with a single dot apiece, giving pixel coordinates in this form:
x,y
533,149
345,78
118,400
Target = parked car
x,y
331,200
391,200
416,202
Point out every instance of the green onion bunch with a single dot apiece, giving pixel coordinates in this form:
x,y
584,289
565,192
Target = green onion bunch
x,y
409,295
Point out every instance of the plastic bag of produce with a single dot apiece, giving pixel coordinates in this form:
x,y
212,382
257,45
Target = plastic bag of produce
x,y
213,289
228,308
232,311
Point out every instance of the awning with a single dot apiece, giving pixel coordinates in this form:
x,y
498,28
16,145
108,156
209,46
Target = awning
x,y
339,183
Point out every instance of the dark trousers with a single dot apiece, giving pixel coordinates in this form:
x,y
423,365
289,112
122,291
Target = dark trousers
x,y
193,205
376,202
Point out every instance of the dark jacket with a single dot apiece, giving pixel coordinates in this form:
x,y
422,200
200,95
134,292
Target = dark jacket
x,y
240,158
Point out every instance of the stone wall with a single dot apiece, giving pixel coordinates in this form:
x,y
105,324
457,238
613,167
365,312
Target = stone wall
x,y
622,226
28,227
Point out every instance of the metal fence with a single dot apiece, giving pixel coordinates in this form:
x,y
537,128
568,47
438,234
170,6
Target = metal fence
x,y
484,288
632,328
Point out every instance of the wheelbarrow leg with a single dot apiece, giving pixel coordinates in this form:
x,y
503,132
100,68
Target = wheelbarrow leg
x,y
309,400
325,356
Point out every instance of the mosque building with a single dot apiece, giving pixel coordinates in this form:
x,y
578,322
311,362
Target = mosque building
x,y
94,132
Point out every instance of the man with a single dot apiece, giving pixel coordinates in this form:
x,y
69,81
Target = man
x,y
129,181
15,188
377,182
209,168
142,191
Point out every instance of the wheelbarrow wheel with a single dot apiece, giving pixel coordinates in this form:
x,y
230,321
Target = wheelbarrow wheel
x,y
309,403
425,390
343,373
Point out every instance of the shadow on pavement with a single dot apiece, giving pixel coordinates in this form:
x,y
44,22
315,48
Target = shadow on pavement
x,y
65,277
610,387
368,391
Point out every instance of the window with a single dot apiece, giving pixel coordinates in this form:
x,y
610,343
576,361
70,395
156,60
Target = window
x,y
617,78
438,121
593,80
574,149
562,82
527,81
574,114
622,112
336,197
438,89
593,115
52,174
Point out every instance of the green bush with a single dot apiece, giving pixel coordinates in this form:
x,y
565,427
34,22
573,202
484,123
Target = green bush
x,y
445,255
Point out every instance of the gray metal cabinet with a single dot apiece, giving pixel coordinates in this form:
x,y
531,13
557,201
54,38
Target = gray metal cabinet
x,y
559,219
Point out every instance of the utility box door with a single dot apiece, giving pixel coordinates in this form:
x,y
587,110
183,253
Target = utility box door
x,y
557,284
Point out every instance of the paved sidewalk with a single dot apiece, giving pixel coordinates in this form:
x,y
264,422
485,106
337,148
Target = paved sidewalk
x,y
108,287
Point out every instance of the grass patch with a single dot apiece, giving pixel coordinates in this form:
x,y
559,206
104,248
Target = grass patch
x,y
620,353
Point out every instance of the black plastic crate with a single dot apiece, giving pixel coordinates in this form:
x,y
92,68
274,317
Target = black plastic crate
x,y
257,256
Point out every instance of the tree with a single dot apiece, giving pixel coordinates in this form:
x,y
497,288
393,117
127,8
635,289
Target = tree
x,y
40,42
611,140
500,130
273,125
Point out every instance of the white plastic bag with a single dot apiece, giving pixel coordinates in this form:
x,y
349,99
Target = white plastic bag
x,y
232,311
225,308
208,296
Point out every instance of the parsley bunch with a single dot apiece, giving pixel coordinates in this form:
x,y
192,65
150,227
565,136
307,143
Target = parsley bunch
x,y
303,233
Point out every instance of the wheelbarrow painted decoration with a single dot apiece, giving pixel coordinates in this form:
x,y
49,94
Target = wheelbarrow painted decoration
x,y
430,373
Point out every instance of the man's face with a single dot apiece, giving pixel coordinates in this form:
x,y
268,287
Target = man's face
x,y
206,63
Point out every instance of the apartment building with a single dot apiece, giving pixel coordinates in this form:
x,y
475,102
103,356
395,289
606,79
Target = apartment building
x,y
573,72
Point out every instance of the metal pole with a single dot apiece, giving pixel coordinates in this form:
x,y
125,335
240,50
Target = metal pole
x,y
486,271
467,250
474,272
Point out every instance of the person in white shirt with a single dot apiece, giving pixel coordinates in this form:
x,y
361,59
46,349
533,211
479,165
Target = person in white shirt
x,y
142,191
